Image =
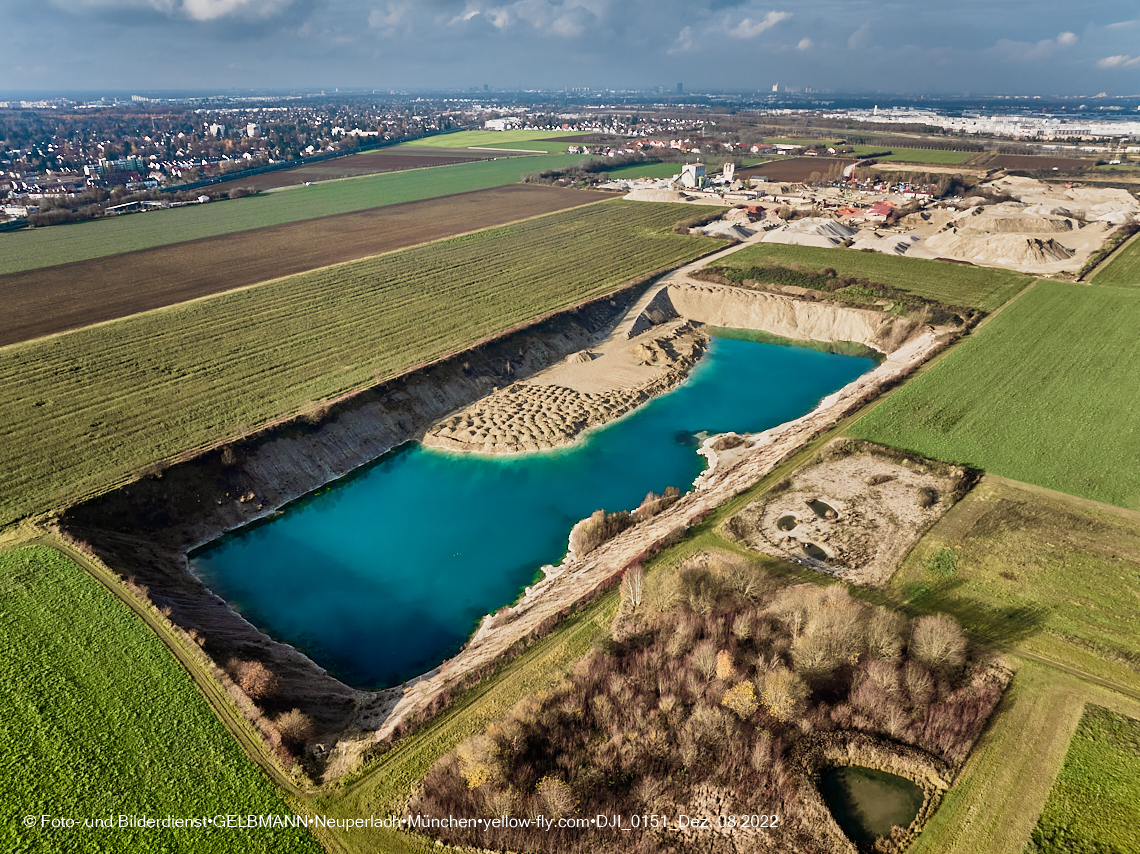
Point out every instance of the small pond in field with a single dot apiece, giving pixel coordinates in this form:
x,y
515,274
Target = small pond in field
x,y
867,803
384,574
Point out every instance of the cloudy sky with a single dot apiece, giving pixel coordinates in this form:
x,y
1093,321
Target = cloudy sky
x,y
936,46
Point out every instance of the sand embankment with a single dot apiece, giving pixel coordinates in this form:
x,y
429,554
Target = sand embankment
x,y
741,308
651,351
589,389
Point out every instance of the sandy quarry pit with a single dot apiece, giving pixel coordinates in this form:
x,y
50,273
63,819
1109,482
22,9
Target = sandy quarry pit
x,y
1043,229
650,351
854,517
590,388
613,345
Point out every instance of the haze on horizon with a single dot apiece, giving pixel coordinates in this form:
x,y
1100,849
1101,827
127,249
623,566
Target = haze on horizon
x,y
1006,47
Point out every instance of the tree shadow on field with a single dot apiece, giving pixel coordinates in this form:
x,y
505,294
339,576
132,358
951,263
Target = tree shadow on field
x,y
1007,625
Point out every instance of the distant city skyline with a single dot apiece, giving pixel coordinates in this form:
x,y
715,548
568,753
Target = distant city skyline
x,y
1005,47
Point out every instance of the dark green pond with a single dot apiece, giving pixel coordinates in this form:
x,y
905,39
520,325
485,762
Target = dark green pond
x,y
867,804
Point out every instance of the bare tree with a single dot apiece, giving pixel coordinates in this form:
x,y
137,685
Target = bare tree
x,y
938,642
633,587
253,677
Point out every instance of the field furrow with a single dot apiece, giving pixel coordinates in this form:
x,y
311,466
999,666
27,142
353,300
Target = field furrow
x,y
92,407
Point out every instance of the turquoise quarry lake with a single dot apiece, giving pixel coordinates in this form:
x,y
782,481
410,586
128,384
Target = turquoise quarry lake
x,y
383,575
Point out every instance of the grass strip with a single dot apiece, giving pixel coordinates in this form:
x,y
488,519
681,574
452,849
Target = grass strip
x,y
1092,807
953,284
1123,269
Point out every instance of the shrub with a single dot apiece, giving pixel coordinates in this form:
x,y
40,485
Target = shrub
x,y
725,669
741,698
782,692
295,727
253,677
476,760
943,562
705,659
653,503
599,528
633,587
556,796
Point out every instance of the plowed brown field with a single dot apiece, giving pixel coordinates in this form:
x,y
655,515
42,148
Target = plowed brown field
x,y
355,165
68,296
1030,162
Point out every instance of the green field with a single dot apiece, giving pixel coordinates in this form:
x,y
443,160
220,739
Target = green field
x,y
1123,269
994,803
89,408
1096,796
99,720
1046,393
58,244
530,140
915,155
1057,576
954,284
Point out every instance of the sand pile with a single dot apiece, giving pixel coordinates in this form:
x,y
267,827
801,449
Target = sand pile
x,y
548,411
932,217
1010,218
813,231
656,196
888,244
1113,213
1050,210
1001,250
528,418
730,230
738,215
1094,204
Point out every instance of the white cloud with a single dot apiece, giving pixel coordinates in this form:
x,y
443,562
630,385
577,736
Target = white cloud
x,y
1041,50
194,10
1120,61
387,20
684,41
211,10
860,38
549,17
749,29
564,26
805,44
